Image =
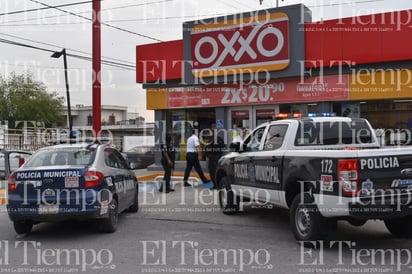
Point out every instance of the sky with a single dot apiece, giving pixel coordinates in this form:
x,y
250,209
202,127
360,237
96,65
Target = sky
x,y
131,23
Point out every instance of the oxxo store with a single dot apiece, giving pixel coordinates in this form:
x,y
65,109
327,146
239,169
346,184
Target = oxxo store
x,y
245,69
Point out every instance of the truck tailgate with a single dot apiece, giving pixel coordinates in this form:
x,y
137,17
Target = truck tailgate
x,y
385,171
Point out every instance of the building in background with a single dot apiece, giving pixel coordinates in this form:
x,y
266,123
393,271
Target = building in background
x,y
125,130
111,115
245,69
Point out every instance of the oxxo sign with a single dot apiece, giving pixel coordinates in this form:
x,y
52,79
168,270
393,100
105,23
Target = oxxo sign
x,y
247,45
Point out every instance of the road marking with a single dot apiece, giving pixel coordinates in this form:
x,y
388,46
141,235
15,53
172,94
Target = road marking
x,y
3,197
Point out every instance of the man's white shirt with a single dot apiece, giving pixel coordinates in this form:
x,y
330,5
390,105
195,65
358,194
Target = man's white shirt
x,y
192,143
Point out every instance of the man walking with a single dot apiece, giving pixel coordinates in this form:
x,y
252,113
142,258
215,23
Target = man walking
x,y
168,163
214,150
193,153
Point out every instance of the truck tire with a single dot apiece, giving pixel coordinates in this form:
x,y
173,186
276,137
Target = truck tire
x,y
400,227
357,222
227,199
23,227
307,223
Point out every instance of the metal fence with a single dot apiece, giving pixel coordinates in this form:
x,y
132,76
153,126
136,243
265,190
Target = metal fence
x,y
32,140
22,140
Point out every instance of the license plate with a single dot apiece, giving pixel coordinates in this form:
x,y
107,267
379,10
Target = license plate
x,y
70,182
406,182
48,209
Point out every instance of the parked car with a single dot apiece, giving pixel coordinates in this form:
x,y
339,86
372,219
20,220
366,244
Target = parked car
x,y
141,156
11,160
72,181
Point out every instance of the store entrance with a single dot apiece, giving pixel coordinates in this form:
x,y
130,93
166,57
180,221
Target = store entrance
x,y
240,118
183,121
249,117
265,114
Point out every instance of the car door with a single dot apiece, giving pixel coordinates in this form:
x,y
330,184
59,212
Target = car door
x,y
129,178
121,177
244,171
268,163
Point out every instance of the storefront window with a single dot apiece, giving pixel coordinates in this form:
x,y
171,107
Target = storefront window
x,y
240,118
303,109
264,115
389,114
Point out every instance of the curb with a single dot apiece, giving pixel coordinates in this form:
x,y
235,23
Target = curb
x,y
149,177
3,198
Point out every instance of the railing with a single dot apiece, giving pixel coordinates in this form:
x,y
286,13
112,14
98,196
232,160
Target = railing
x,y
32,140
19,141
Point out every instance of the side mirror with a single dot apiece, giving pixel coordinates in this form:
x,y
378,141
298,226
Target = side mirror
x,y
235,147
132,165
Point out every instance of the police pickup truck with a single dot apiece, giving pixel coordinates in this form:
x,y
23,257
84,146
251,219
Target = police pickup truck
x,y
321,169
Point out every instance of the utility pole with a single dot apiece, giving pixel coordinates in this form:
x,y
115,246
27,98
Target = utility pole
x,y
277,2
57,54
96,44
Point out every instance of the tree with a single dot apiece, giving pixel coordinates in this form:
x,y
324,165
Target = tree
x,y
24,99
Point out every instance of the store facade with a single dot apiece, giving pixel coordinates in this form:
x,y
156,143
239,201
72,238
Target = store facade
x,y
245,69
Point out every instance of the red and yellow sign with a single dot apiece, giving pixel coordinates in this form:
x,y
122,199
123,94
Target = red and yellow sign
x,y
381,84
312,89
241,45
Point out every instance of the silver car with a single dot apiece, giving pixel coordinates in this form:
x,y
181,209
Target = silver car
x,y
72,181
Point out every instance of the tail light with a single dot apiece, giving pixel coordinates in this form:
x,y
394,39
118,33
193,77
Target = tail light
x,y
348,176
92,178
12,182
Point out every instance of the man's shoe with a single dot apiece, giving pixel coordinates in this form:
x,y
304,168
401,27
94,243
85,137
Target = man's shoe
x,y
169,190
187,184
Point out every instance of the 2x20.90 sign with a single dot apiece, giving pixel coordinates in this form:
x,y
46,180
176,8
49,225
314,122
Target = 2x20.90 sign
x,y
234,47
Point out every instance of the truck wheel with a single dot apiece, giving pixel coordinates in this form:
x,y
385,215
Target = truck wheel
x,y
227,198
23,227
306,221
109,225
357,222
135,206
400,227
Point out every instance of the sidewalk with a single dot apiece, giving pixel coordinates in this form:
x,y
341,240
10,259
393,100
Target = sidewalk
x,y
153,171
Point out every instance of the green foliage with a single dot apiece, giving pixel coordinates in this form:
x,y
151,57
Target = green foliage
x,y
24,99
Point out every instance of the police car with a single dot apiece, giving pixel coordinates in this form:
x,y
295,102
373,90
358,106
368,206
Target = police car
x,y
72,181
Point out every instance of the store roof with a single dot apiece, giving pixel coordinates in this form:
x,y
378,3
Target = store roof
x,y
375,38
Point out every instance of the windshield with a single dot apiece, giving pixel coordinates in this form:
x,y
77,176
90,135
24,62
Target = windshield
x,y
62,156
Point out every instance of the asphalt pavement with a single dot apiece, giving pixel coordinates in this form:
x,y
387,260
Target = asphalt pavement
x,y
186,232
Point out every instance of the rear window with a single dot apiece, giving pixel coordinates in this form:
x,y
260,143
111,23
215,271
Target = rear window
x,y
63,156
355,132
